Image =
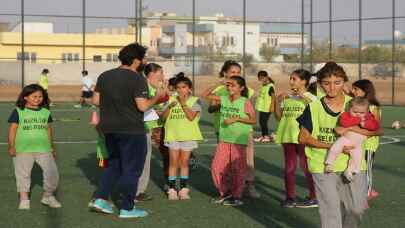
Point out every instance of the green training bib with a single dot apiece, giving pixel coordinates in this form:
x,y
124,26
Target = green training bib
x,y
149,125
264,101
372,143
323,126
237,133
288,127
32,132
178,127
222,91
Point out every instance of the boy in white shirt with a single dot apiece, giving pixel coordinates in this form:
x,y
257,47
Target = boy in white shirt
x,y
87,89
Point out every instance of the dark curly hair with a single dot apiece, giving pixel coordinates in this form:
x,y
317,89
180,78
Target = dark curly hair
x,y
30,89
131,52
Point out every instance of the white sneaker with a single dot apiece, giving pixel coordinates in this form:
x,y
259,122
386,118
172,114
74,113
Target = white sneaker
x,y
77,106
51,202
24,205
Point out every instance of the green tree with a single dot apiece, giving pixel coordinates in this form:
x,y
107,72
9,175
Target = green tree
x,y
267,52
373,54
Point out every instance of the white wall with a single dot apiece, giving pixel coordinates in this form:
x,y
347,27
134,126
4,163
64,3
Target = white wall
x,y
236,31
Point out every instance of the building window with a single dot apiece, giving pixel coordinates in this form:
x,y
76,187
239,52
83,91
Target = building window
x,y
233,43
70,57
188,60
26,56
115,57
63,57
97,58
19,56
33,57
108,57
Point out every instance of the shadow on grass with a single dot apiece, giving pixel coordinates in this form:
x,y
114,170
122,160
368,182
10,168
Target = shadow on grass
x,y
273,170
88,166
53,216
265,211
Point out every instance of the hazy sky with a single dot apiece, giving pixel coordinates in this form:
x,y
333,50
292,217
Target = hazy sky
x,y
257,10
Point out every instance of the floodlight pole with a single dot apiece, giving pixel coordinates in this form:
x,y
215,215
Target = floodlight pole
x,y
360,57
140,22
193,49
136,21
84,34
311,36
393,53
330,30
22,46
302,33
244,40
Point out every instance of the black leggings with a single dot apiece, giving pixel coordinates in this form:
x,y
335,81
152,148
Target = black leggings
x,y
263,119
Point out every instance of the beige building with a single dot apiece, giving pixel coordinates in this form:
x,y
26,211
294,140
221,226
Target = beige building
x,y
43,45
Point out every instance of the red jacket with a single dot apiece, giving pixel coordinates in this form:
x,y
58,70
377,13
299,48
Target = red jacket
x,y
370,122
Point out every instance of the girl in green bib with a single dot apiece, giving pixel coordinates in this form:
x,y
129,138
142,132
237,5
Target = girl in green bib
x,y
30,141
318,131
264,104
229,69
365,88
288,107
229,163
182,133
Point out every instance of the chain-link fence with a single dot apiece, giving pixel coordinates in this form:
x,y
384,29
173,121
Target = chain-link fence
x,y
197,36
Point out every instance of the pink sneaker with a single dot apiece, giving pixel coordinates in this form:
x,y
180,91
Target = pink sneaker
x,y
172,194
184,194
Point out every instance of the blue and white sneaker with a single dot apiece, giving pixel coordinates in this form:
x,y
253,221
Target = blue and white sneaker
x,y
134,213
100,205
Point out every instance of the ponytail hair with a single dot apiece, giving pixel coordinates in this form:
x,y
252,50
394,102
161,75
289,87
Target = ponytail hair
x,y
310,79
227,65
151,68
242,83
264,73
369,89
172,80
185,80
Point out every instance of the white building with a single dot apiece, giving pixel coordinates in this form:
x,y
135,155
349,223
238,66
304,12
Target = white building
x,y
287,38
210,38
